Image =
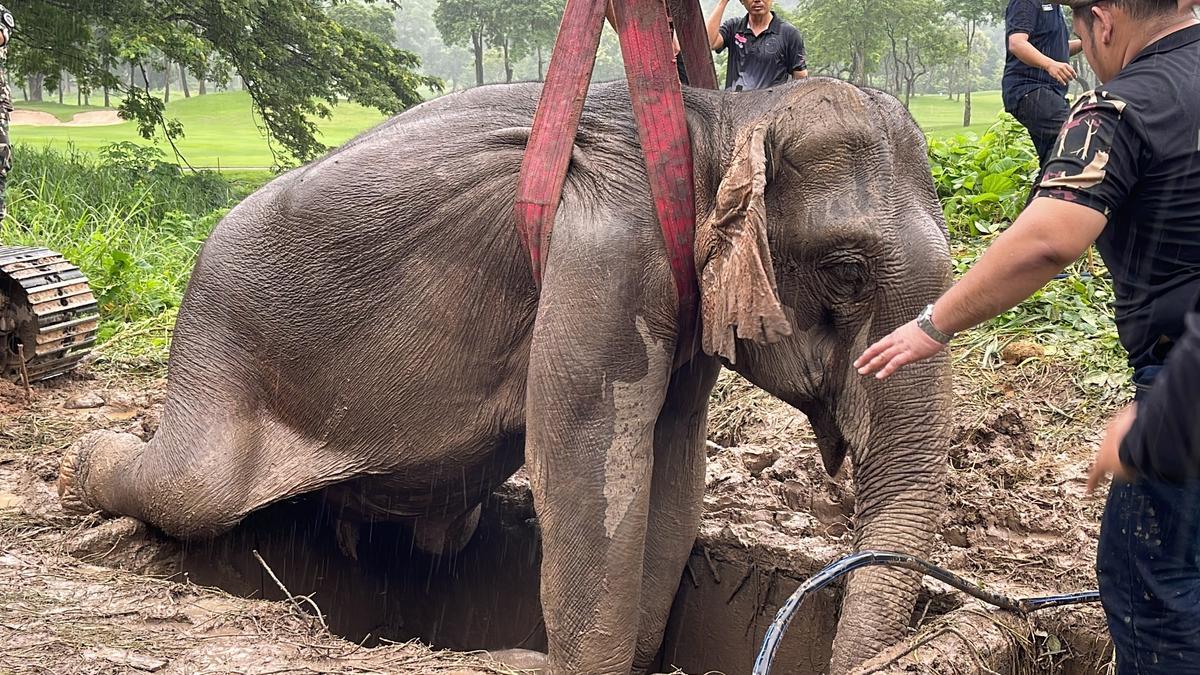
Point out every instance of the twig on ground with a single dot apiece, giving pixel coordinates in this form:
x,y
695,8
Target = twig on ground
x,y
295,599
24,374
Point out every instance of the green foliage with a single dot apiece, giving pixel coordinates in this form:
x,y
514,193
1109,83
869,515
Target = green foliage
x,y
516,27
132,224
983,182
293,58
373,19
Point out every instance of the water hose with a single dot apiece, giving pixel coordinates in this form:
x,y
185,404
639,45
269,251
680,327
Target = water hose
x,y
842,567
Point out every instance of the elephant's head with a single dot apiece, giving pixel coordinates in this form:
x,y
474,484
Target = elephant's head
x,y
823,234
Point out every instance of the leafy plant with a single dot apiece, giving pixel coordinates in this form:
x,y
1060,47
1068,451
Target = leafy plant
x,y
132,227
983,182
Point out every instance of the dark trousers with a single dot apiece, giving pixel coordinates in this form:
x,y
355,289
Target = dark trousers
x,y
1148,565
1042,112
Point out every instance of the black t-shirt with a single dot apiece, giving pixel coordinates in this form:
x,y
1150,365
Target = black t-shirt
x,y
1048,33
1131,150
762,61
1164,442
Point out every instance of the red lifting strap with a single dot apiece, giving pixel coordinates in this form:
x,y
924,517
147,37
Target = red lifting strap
x,y
662,127
658,110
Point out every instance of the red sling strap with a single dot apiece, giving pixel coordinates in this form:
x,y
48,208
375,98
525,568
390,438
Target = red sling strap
x,y
661,120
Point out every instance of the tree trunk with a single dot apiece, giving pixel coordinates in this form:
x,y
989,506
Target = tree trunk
x,y
967,71
477,43
35,86
200,87
507,64
167,83
106,102
62,84
541,77
183,81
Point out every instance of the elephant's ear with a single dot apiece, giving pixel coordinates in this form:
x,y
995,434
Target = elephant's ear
x,y
737,284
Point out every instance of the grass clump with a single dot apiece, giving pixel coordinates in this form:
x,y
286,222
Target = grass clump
x,y
131,222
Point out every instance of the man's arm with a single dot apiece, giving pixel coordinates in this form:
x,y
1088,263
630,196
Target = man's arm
x,y
1164,441
1049,235
713,24
1019,45
1097,165
1075,46
799,58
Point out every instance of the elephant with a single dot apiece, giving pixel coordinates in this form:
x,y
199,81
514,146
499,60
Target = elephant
x,y
368,326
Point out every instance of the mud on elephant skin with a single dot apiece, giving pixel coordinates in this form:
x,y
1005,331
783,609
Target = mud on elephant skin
x,y
367,326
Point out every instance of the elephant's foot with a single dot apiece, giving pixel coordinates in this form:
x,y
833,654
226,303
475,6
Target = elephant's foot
x,y
445,537
524,660
90,468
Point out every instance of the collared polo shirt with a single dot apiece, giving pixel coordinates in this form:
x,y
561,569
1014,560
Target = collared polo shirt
x,y
758,62
1131,150
1047,30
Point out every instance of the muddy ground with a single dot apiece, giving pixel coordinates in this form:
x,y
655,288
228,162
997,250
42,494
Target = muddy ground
x,y
1018,521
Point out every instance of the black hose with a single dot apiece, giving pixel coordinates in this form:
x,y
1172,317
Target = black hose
x,y
766,655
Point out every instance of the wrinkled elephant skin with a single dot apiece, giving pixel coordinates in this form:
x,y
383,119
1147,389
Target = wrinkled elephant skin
x,y
368,326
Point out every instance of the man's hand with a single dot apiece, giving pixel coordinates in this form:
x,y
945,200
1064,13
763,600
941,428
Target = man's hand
x,y
1063,72
906,344
1108,458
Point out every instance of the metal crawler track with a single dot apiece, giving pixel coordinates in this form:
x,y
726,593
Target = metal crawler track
x,y
47,312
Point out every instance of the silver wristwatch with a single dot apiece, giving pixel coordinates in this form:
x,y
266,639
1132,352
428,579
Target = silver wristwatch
x,y
925,323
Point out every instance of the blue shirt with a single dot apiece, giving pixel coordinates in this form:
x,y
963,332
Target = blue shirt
x,y
1047,31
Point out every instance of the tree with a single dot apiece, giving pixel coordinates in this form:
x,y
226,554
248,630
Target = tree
x,y
919,38
971,14
515,27
374,19
294,59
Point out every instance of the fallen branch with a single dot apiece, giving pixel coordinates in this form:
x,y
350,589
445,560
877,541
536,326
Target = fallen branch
x,y
295,599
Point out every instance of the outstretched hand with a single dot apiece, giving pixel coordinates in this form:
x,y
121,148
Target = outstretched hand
x,y
906,344
1108,457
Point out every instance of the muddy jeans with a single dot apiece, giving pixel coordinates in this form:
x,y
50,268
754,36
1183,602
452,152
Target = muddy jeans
x,y
1148,565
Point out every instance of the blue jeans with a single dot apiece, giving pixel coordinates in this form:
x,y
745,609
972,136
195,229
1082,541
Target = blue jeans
x,y
1148,566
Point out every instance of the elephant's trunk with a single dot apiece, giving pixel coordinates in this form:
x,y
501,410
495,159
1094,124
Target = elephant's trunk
x,y
900,477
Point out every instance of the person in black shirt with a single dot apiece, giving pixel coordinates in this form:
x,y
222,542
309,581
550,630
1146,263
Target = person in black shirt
x,y
1036,72
764,50
1159,438
1124,174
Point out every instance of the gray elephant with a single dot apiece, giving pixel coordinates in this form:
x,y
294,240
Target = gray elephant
x,y
368,326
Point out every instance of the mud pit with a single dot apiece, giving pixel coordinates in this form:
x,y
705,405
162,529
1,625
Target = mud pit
x,y
1018,522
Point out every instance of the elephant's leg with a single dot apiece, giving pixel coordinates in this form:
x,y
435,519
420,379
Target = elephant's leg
x,y
676,499
196,479
600,363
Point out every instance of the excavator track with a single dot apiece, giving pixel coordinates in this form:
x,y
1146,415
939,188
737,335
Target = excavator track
x,y
47,313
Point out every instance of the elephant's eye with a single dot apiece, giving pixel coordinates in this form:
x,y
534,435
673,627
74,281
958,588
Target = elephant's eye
x,y
848,269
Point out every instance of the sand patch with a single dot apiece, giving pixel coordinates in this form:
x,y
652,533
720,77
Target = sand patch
x,y
38,118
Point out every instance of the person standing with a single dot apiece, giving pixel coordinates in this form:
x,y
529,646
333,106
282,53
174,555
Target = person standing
x,y
764,50
1036,71
1125,174
6,27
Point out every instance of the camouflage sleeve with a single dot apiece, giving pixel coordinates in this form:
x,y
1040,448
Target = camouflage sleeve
x,y
7,23
1099,156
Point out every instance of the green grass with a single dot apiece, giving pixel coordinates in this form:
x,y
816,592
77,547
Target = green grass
x,y
942,118
134,230
219,130
64,112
